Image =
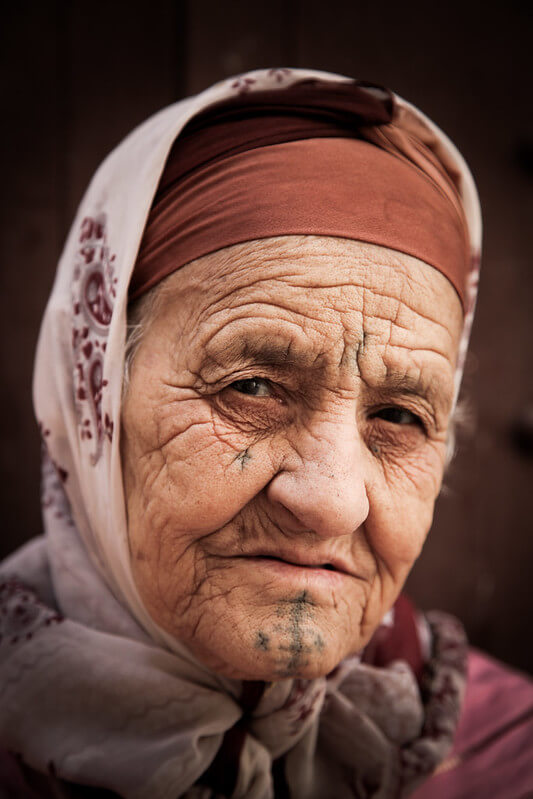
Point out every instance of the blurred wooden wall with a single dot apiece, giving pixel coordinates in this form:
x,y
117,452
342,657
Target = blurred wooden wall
x,y
76,77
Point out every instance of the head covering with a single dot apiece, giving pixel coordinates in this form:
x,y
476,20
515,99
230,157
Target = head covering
x,y
92,688
297,161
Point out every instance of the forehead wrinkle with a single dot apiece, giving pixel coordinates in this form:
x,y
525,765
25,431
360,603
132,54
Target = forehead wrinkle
x,y
284,317
403,327
403,314
396,368
380,296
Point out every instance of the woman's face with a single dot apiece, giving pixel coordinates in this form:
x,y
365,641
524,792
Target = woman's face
x,y
284,435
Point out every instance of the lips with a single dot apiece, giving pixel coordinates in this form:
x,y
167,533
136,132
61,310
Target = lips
x,y
327,566
304,560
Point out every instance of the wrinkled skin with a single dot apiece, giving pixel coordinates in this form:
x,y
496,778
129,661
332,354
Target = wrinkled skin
x,y
283,443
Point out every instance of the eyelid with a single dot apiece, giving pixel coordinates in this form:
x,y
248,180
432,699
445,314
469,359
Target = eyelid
x,y
278,384
277,391
263,380
423,416
417,419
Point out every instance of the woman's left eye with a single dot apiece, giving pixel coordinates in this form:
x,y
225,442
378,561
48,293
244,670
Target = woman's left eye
x,y
398,416
253,386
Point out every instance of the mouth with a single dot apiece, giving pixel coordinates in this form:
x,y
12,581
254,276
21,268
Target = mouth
x,y
327,566
301,561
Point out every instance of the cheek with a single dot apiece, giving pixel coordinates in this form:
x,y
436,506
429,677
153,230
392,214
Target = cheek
x,y
186,476
402,499
208,471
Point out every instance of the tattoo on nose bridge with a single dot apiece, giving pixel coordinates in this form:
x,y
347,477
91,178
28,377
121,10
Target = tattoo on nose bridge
x,y
353,352
360,351
243,457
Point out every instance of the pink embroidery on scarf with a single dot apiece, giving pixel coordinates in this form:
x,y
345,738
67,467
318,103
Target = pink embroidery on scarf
x,y
53,497
279,74
304,700
21,613
243,85
94,291
59,471
442,689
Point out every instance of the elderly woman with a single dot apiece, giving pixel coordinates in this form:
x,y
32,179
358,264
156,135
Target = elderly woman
x,y
245,382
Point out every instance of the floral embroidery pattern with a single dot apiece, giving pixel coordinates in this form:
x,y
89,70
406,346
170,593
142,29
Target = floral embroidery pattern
x,y
303,703
279,74
94,291
442,689
244,83
53,497
47,461
21,613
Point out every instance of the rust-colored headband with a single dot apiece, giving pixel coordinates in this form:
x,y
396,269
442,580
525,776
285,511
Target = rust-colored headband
x,y
296,161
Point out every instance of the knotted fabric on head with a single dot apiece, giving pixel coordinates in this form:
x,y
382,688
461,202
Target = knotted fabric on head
x,y
316,158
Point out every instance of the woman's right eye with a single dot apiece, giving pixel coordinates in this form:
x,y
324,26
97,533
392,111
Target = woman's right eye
x,y
253,386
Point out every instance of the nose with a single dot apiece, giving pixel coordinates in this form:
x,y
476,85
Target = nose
x,y
322,485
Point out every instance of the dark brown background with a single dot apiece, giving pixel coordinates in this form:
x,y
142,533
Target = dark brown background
x,y
76,77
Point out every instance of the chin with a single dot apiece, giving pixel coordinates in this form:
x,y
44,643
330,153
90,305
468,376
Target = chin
x,y
275,656
274,671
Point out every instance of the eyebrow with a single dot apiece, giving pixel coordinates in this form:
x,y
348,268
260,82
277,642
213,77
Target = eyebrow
x,y
263,351
398,383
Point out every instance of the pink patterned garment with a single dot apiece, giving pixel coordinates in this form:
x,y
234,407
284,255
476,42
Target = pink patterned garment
x,y
492,753
94,693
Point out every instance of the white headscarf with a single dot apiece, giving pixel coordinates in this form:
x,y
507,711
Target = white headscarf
x,y
91,683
